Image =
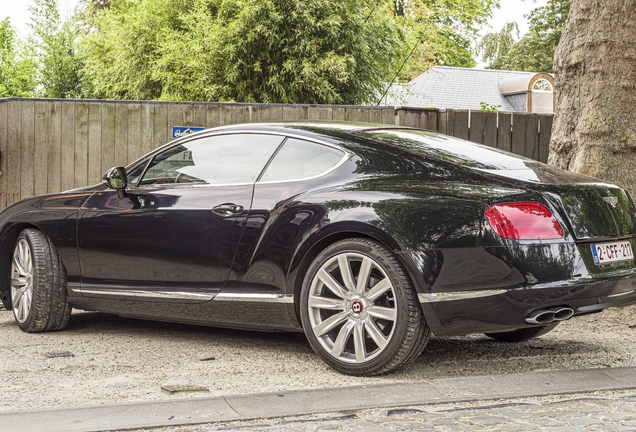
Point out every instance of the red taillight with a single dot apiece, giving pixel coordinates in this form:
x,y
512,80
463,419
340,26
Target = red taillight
x,y
523,221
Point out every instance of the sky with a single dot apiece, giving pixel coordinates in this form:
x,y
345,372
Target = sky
x,y
18,11
511,10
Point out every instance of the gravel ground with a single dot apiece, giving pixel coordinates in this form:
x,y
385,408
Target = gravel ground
x,y
117,359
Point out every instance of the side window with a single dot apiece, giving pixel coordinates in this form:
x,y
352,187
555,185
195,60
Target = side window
x,y
220,159
133,175
299,159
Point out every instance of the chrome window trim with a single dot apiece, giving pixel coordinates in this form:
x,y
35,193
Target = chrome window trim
x,y
346,157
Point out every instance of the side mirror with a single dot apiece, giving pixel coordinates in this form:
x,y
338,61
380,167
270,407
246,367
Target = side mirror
x,y
115,178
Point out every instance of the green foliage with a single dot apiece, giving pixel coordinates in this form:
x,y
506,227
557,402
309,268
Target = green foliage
x,y
17,69
444,30
534,52
287,51
495,47
485,106
53,42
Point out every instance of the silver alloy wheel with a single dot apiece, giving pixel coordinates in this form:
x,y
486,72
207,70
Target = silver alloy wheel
x,y
352,308
22,280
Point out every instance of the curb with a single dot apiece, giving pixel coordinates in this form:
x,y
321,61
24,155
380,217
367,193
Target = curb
x,y
134,415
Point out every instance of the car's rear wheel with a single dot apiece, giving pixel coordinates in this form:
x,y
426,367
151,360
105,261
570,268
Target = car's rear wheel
x,y
522,335
360,311
38,284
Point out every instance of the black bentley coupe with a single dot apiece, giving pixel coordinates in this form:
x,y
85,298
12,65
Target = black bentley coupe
x,y
366,237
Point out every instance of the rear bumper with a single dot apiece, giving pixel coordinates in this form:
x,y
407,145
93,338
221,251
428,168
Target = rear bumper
x,y
468,312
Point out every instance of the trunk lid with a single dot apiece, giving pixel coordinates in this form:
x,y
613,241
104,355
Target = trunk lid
x,y
598,211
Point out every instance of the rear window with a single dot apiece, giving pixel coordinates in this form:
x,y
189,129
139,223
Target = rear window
x,y
454,150
299,159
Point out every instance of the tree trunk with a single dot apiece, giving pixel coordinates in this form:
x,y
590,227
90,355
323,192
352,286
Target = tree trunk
x,y
595,64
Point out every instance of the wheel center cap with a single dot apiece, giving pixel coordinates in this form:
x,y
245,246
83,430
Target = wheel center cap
x,y
357,307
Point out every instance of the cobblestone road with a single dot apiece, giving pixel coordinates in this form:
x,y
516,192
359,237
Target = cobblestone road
x,y
600,411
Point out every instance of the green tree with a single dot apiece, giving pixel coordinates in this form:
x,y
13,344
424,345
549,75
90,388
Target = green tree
x,y
17,69
287,51
494,48
54,44
534,52
442,31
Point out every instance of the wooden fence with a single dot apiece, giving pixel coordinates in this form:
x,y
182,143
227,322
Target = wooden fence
x,y
53,145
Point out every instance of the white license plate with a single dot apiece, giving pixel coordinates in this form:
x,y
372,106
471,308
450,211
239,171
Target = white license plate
x,y
611,252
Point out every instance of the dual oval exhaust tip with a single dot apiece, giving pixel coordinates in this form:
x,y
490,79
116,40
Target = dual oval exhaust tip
x,y
550,315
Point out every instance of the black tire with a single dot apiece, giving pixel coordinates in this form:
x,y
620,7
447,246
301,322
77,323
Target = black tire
x,y
364,309
522,335
46,306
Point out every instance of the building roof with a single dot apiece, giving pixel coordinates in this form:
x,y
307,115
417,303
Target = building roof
x,y
454,88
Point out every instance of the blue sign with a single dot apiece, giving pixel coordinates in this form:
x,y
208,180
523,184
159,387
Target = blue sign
x,y
181,131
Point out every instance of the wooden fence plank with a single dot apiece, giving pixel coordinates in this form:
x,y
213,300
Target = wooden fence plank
x,y
338,113
147,127
319,113
40,151
388,116
225,114
161,134
442,122
54,149
545,123
68,145
519,123
81,144
460,124
375,116
430,119
504,132
295,112
12,158
109,118
477,126
532,137
357,115
212,116
4,131
450,122
175,118
240,114
121,134
134,132
27,164
490,129
95,172
268,114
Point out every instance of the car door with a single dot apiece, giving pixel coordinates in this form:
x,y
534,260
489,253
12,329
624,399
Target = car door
x,y
174,234
277,220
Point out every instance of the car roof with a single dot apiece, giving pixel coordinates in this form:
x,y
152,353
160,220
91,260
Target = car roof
x,y
395,139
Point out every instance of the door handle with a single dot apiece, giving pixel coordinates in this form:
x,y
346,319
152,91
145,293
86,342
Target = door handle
x,y
228,209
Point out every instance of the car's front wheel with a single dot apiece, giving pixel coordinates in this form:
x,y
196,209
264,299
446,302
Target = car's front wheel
x,y
360,311
38,284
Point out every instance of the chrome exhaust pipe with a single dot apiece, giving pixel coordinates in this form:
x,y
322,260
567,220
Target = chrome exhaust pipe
x,y
547,316
563,314
540,317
